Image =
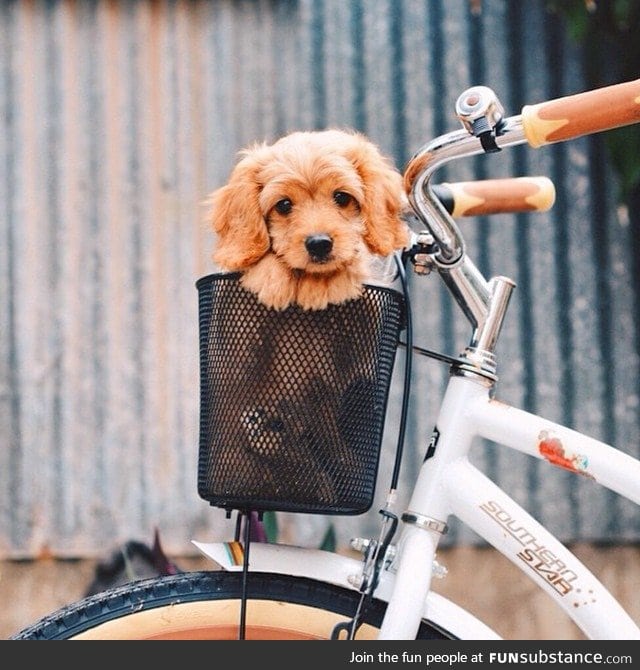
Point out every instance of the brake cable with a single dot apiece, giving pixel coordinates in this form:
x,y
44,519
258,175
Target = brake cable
x,y
374,563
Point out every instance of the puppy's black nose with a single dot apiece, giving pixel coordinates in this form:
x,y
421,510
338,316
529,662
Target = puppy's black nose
x,y
319,246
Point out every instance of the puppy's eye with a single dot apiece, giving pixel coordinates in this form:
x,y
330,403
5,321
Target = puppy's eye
x,y
343,199
283,206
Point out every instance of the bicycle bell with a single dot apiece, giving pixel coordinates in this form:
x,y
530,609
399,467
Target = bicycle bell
x,y
481,114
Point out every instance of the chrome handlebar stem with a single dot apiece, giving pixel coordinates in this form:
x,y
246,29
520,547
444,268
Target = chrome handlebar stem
x,y
484,302
454,145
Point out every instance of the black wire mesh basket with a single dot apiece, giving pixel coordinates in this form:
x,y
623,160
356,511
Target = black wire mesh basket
x,y
293,402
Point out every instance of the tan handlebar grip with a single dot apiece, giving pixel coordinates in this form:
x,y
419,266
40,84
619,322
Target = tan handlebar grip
x,y
582,114
498,196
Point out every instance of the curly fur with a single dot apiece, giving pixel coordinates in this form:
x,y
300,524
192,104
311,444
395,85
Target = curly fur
x,y
304,218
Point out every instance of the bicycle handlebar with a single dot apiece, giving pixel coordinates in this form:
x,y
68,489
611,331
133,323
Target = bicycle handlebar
x,y
496,196
486,130
582,114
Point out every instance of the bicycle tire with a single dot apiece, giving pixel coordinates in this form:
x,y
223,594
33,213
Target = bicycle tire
x,y
205,606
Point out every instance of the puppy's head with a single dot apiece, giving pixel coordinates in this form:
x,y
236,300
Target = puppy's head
x,y
316,199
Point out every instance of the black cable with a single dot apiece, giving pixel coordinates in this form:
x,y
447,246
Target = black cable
x,y
443,358
410,348
407,374
245,575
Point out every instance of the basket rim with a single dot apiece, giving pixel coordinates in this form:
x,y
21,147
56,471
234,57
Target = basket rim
x,y
227,276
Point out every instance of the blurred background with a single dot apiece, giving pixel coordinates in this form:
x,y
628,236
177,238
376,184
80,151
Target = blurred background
x,y
118,118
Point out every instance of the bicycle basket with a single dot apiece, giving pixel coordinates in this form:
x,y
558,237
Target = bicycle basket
x,y
292,402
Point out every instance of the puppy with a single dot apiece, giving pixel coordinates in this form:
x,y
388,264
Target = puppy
x,y
304,219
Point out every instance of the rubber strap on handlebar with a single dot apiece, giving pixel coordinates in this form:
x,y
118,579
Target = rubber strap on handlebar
x,y
582,114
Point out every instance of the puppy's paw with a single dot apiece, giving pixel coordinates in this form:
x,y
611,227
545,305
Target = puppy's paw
x,y
344,287
311,294
271,282
318,292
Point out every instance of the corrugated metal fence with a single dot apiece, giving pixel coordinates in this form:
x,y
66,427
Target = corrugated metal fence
x,y
118,118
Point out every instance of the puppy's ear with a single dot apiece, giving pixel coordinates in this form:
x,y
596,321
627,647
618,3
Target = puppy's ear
x,y
384,198
236,218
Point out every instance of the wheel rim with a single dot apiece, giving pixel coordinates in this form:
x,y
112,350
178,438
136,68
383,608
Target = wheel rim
x,y
218,620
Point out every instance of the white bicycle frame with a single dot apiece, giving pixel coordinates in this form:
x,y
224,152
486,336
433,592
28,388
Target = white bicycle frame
x,y
448,484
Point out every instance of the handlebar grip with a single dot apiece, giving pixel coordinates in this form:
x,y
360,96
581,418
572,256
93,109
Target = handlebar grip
x,y
496,196
582,114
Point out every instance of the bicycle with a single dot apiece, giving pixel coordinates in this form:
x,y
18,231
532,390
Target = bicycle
x,y
275,591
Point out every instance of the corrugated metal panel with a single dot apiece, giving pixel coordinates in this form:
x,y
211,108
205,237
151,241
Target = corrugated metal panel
x,y
118,118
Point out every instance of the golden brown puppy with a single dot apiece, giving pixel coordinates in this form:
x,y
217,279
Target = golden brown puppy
x,y
303,219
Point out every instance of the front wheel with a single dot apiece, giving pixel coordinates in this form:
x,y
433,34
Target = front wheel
x,y
207,605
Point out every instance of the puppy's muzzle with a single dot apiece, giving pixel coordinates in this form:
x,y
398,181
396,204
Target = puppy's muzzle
x,y
319,247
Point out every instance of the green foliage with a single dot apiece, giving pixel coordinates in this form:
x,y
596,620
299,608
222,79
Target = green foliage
x,y
576,16
624,148
607,31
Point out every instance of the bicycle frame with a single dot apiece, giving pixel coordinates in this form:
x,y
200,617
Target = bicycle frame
x,y
447,483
